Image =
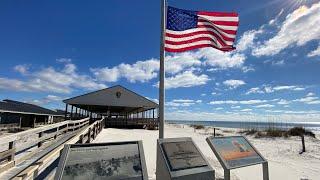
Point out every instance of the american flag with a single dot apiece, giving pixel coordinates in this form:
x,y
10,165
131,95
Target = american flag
x,y
187,30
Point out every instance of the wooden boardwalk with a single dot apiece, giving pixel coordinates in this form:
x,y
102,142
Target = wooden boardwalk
x,y
45,149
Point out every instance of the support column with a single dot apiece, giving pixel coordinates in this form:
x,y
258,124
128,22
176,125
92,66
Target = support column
x,y
66,112
77,113
71,114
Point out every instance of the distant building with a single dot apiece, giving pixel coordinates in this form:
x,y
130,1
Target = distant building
x,y
25,114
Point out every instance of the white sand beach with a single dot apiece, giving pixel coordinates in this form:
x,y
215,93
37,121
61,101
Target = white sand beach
x,y
285,163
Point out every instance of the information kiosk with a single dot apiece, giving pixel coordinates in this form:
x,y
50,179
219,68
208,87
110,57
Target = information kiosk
x,y
180,158
117,160
235,152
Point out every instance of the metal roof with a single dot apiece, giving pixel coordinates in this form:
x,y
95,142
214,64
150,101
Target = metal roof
x,y
113,99
12,106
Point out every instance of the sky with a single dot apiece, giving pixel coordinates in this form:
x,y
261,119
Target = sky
x,y
53,50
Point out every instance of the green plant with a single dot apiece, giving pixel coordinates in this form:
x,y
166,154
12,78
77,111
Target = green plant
x,y
197,126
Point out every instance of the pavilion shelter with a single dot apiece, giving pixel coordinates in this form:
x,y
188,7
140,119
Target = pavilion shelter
x,y
119,106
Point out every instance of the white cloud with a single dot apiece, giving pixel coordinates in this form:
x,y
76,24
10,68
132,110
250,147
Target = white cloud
x,y
277,63
233,83
203,94
181,61
265,106
185,79
314,102
235,107
255,90
140,71
270,89
64,60
283,102
52,80
275,20
198,101
221,60
247,39
45,100
22,68
246,69
300,27
308,100
315,52
246,110
153,99
247,102
311,94
182,102
219,108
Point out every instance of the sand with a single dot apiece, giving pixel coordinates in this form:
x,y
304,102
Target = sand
x,y
281,153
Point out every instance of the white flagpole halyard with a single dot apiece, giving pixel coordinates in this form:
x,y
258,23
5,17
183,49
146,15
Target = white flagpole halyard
x,y
162,72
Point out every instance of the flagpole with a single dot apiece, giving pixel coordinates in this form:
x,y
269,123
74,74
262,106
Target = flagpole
x,y
162,72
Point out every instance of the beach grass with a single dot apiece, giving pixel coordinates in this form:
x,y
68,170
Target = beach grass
x,y
274,132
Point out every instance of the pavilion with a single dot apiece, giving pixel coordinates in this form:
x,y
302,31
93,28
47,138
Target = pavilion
x,y
121,108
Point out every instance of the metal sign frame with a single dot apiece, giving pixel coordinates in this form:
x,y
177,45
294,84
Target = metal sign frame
x,y
182,173
67,147
225,165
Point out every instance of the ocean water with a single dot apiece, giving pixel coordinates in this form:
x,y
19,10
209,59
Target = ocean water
x,y
313,126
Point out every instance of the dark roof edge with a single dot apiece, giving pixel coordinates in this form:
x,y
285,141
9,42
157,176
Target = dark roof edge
x,y
110,88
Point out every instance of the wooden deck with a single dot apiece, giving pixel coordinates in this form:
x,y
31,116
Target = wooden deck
x,y
131,123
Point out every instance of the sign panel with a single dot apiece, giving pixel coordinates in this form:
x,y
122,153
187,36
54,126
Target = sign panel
x,y
107,161
235,151
182,155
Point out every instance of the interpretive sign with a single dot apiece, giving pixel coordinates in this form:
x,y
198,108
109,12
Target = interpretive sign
x,y
182,155
123,160
179,158
235,152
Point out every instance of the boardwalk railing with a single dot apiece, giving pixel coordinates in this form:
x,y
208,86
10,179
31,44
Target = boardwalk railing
x,y
85,135
23,145
131,122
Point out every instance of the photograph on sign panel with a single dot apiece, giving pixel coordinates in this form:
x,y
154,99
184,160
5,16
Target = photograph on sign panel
x,y
104,162
236,151
182,155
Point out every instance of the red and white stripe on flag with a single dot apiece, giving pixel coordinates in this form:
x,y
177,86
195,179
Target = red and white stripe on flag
x,y
187,30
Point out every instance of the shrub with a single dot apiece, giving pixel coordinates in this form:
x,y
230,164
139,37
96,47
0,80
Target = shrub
x,y
298,131
274,132
197,126
248,132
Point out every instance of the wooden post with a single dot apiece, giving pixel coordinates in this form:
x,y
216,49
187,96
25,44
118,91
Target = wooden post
x,y
303,144
40,142
66,112
12,145
89,136
56,135
214,132
76,112
71,114
94,131
81,139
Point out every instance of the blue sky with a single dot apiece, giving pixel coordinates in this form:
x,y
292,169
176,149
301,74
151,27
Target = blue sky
x,y
52,50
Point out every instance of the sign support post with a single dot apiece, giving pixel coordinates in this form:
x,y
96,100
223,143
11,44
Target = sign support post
x,y
265,171
226,174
